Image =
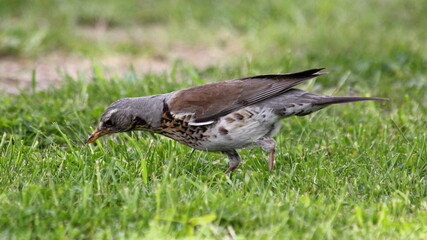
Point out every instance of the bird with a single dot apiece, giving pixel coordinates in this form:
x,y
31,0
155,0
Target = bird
x,y
222,116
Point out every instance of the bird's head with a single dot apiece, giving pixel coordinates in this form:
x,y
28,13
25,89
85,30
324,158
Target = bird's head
x,y
121,116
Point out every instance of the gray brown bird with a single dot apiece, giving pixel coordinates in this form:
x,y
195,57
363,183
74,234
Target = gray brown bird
x,y
222,116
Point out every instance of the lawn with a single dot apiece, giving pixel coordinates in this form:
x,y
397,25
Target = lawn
x,y
354,171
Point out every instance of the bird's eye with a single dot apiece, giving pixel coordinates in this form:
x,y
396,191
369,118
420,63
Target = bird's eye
x,y
108,123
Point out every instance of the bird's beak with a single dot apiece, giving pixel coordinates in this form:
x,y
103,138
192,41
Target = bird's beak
x,y
96,134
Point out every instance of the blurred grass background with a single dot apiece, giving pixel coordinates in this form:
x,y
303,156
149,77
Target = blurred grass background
x,y
349,172
279,28
275,36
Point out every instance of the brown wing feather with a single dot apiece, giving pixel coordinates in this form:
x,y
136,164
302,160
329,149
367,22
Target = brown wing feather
x,y
210,101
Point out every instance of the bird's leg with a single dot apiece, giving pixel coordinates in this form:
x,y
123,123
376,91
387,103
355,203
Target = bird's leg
x,y
269,145
233,159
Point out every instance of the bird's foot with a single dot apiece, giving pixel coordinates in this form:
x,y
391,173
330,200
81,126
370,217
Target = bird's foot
x,y
230,169
269,145
234,160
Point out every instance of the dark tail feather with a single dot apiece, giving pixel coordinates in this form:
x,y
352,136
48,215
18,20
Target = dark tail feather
x,y
308,74
336,100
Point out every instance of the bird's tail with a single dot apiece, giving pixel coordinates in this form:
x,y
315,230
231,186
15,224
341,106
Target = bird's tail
x,y
299,102
337,100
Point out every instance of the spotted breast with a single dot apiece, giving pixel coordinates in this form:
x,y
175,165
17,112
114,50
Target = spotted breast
x,y
235,130
179,129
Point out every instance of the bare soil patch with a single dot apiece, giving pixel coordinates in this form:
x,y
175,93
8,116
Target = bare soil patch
x,y
16,73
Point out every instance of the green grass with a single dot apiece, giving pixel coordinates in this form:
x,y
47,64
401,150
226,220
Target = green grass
x,y
355,171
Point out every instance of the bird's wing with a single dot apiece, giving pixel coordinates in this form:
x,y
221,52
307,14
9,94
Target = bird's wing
x,y
208,102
